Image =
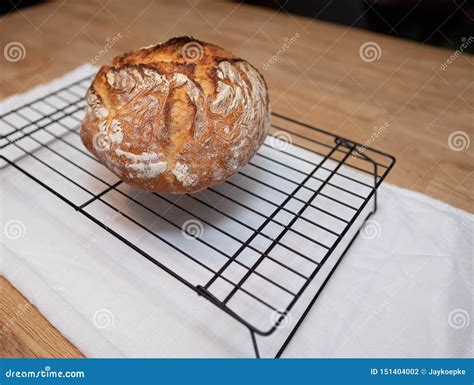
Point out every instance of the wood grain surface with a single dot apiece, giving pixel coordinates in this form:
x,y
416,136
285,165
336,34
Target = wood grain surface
x,y
316,74
24,332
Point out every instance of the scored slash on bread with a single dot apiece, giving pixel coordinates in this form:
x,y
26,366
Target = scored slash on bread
x,y
176,117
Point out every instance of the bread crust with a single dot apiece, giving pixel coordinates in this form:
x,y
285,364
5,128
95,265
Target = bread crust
x,y
176,117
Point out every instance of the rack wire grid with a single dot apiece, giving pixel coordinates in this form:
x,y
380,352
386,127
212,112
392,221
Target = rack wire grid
x,y
261,246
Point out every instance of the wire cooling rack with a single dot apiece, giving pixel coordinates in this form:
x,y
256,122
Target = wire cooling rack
x,y
261,246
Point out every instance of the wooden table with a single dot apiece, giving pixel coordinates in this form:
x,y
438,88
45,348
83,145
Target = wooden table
x,y
320,78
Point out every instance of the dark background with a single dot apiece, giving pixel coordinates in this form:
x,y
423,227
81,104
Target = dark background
x,y
437,22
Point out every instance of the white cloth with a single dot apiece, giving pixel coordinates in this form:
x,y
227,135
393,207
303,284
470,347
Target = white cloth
x,y
403,290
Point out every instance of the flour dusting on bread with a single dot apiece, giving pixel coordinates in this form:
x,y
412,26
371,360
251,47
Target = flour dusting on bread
x,y
172,125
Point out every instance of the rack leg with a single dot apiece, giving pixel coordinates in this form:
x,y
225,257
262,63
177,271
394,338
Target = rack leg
x,y
375,187
254,342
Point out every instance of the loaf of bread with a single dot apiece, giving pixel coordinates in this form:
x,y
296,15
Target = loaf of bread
x,y
176,117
